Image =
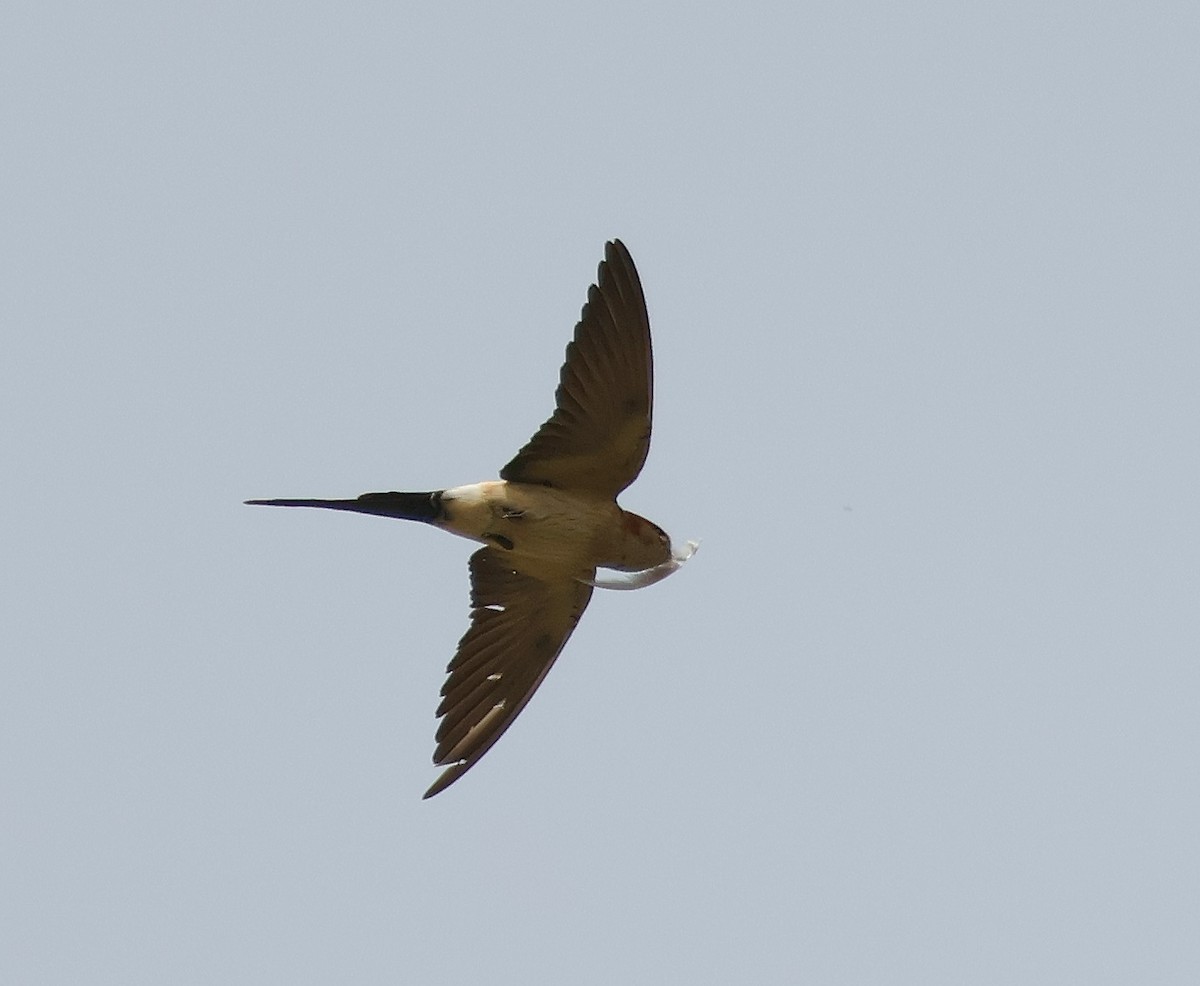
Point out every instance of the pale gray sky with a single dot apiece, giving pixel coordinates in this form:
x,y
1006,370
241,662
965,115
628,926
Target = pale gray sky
x,y
925,294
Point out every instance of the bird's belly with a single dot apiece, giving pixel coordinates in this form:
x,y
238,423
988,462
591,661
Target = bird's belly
x,y
535,523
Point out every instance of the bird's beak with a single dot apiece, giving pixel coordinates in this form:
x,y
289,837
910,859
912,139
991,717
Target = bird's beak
x,y
638,580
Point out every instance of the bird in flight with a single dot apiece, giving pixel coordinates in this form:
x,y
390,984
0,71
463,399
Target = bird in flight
x,y
547,524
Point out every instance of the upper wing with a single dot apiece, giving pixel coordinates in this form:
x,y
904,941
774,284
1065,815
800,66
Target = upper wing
x,y
599,434
519,625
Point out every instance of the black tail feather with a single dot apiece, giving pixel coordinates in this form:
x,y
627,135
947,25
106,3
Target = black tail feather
x,y
425,507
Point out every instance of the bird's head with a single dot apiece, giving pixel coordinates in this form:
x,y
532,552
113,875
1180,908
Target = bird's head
x,y
645,544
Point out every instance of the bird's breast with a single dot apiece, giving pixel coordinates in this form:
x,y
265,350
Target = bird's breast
x,y
540,524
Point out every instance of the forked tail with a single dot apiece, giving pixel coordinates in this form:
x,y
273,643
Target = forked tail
x,y
425,507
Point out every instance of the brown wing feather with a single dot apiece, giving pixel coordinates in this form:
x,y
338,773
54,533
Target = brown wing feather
x,y
519,625
599,435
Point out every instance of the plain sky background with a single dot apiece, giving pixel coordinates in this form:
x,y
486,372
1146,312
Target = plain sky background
x,y
925,287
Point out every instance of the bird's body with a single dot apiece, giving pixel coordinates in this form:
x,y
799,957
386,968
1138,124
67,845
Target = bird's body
x,y
547,524
553,530
545,531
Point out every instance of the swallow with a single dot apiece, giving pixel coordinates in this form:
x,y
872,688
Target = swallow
x,y
547,524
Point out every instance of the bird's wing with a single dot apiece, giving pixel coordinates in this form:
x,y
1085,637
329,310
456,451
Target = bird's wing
x,y
599,434
519,625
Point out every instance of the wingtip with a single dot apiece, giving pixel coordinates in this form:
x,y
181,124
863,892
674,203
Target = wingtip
x,y
447,777
614,249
